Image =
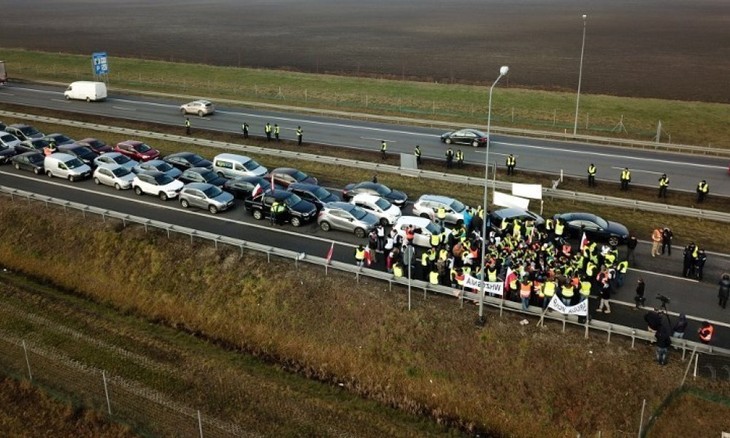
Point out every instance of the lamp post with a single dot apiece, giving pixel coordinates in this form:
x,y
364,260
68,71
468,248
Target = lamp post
x,y
580,75
502,72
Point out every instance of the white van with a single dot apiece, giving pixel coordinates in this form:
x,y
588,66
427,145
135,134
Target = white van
x,y
86,90
424,228
66,166
233,165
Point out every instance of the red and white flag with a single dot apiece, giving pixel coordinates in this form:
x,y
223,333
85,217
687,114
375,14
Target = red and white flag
x,y
257,191
272,182
509,277
584,242
330,252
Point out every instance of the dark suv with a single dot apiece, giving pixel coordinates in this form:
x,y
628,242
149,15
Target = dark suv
x,y
298,211
510,214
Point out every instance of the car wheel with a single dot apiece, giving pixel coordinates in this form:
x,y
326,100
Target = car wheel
x,y
475,144
213,209
50,174
17,166
613,240
258,215
184,203
71,178
359,233
200,113
295,221
182,111
325,226
163,196
384,222
447,141
425,216
221,174
37,170
96,181
117,186
138,191
88,99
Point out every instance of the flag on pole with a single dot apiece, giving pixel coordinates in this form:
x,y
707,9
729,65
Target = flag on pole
x,y
509,277
257,191
328,257
272,182
583,241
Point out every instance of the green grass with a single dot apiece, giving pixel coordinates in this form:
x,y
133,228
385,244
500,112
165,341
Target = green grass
x,y
696,123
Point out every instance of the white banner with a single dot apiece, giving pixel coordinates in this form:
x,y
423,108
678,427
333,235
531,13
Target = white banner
x,y
532,191
579,309
505,200
490,287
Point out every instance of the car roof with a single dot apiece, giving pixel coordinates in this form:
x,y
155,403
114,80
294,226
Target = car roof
x,y
340,205
131,142
234,157
437,198
61,156
367,197
288,170
198,186
198,170
418,221
304,186
110,166
182,154
153,173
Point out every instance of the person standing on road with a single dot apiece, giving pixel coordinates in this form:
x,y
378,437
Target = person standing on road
x,y
631,249
511,163
274,212
244,128
703,189
187,126
449,158
663,342
625,178
299,135
417,153
360,256
459,158
688,259
277,131
680,327
383,149
667,240
267,131
591,175
700,260
706,332
663,185
656,241
724,291
639,298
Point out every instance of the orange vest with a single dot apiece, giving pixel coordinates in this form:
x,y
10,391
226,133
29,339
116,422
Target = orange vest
x,y
706,333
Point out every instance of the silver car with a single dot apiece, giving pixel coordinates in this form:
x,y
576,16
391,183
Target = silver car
x,y
428,205
158,165
347,217
199,107
204,195
114,175
115,158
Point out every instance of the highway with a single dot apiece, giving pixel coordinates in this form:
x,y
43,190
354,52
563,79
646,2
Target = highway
x,y
692,297
684,171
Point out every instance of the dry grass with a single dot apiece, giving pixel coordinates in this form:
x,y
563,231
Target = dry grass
x,y
711,419
430,361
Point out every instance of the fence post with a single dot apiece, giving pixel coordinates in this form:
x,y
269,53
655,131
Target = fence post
x,y
641,421
27,362
106,393
200,424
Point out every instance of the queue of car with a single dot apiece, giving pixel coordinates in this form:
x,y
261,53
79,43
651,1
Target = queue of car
x,y
213,186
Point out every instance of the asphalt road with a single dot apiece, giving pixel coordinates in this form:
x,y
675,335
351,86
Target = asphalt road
x,y
684,171
688,296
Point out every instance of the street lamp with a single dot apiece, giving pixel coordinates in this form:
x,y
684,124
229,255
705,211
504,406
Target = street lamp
x,y
502,72
580,75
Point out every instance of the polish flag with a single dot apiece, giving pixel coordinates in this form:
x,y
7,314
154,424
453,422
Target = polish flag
x,y
272,183
328,257
584,242
507,278
257,191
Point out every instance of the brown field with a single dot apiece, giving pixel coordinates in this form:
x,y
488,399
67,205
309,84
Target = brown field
x,y
655,48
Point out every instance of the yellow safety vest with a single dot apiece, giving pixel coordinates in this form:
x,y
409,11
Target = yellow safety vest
x,y
398,271
559,228
360,254
591,170
549,288
433,277
424,259
585,288
568,291
625,175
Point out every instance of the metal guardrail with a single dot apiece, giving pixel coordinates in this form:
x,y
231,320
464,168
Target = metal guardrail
x,y
462,295
386,168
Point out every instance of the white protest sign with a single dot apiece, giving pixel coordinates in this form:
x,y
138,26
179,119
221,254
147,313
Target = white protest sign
x,y
505,200
532,191
579,309
490,287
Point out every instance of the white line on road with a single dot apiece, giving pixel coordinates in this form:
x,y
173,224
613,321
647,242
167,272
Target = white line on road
x,y
124,108
639,170
665,275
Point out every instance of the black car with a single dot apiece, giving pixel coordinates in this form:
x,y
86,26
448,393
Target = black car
x,y
510,214
6,153
35,145
201,175
24,132
595,227
471,137
394,196
83,153
242,187
59,139
32,161
297,210
313,193
187,160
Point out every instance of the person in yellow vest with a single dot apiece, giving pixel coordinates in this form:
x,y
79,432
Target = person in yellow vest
x,y
397,270
663,185
559,229
360,256
267,131
585,289
591,175
511,162
187,126
299,135
621,270
277,131
433,276
383,149
625,178
703,189
459,158
440,215
435,240
417,153
548,289
525,291
567,292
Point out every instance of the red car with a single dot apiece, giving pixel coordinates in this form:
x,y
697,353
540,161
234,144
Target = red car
x,y
137,150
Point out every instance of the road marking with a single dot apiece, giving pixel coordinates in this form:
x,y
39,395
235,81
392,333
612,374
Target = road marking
x,y
177,209
639,170
61,100
378,139
691,280
123,108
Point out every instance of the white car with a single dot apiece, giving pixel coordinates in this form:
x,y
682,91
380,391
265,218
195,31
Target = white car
x,y
424,229
157,184
9,140
114,175
381,208
115,159
199,107
428,205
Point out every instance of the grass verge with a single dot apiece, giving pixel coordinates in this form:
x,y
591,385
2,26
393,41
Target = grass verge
x,y
683,122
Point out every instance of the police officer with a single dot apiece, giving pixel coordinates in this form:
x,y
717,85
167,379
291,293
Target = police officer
x,y
511,163
276,131
702,190
244,128
273,217
299,135
417,153
187,126
459,158
449,158
383,149
591,175
267,130
625,178
663,184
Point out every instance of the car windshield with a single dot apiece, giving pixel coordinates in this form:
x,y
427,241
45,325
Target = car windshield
x,y
142,148
163,179
479,134
29,130
164,167
321,193
433,228
62,139
7,138
383,204
39,143
96,143
251,165
601,222
121,171
121,159
458,206
85,152
299,175
382,190
212,191
358,213
36,158
195,159
73,164
292,200
209,176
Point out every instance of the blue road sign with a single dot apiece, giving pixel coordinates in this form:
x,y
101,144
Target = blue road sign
x,y
101,65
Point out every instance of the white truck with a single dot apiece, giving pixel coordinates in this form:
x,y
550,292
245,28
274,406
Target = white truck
x,y
86,90
3,74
